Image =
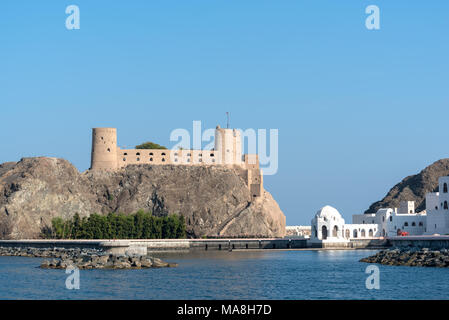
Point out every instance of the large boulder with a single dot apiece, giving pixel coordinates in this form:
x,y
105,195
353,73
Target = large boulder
x,y
414,188
214,200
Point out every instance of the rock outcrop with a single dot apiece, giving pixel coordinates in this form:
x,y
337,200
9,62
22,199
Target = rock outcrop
x,y
414,188
214,200
413,257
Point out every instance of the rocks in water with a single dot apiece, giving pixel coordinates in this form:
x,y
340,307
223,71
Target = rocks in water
x,y
108,262
85,258
411,257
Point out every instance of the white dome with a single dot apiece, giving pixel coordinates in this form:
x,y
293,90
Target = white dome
x,y
328,213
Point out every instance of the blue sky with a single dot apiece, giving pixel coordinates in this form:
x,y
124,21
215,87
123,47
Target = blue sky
x,y
357,110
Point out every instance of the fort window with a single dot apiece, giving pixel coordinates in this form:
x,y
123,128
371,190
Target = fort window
x,y
163,159
163,153
436,208
445,187
354,233
176,160
445,205
383,218
109,150
151,159
189,154
391,218
405,224
200,154
124,159
151,153
420,224
211,154
200,160
213,160
138,154
176,154
138,159
363,233
188,160
125,154
370,233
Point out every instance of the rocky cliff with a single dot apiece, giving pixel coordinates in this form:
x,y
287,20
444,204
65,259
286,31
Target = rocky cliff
x,y
215,201
414,188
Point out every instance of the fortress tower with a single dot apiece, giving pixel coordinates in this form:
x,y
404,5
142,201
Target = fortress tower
x,y
104,149
228,146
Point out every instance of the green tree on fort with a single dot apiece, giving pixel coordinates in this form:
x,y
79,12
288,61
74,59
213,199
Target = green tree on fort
x,y
150,145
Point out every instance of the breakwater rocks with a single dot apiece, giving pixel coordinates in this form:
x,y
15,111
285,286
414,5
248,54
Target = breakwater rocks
x,y
411,257
107,262
83,258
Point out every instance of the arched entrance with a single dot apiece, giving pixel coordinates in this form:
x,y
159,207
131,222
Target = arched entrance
x,y
354,234
348,234
370,233
362,233
324,233
335,232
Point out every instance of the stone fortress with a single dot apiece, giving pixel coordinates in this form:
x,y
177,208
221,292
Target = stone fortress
x,y
106,155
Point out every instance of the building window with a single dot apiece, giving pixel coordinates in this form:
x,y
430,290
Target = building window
x,y
124,159
151,159
420,224
151,154
413,224
176,160
138,154
125,154
391,218
211,154
436,208
163,159
405,224
163,153
445,205
383,218
138,159
445,187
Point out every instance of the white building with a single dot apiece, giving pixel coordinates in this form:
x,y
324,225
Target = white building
x,y
390,221
328,226
437,209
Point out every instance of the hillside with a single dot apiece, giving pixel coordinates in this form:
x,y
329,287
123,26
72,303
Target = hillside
x,y
214,200
414,187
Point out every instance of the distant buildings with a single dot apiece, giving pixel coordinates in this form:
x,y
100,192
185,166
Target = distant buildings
x,y
298,232
329,227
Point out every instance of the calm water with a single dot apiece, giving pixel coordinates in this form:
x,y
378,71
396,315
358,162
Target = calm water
x,y
230,275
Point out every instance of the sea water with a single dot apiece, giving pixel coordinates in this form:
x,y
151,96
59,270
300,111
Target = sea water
x,y
270,274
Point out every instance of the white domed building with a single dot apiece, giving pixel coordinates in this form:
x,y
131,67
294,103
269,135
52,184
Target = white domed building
x,y
328,227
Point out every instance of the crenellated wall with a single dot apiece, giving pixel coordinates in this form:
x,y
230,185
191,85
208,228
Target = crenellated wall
x,y
228,151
